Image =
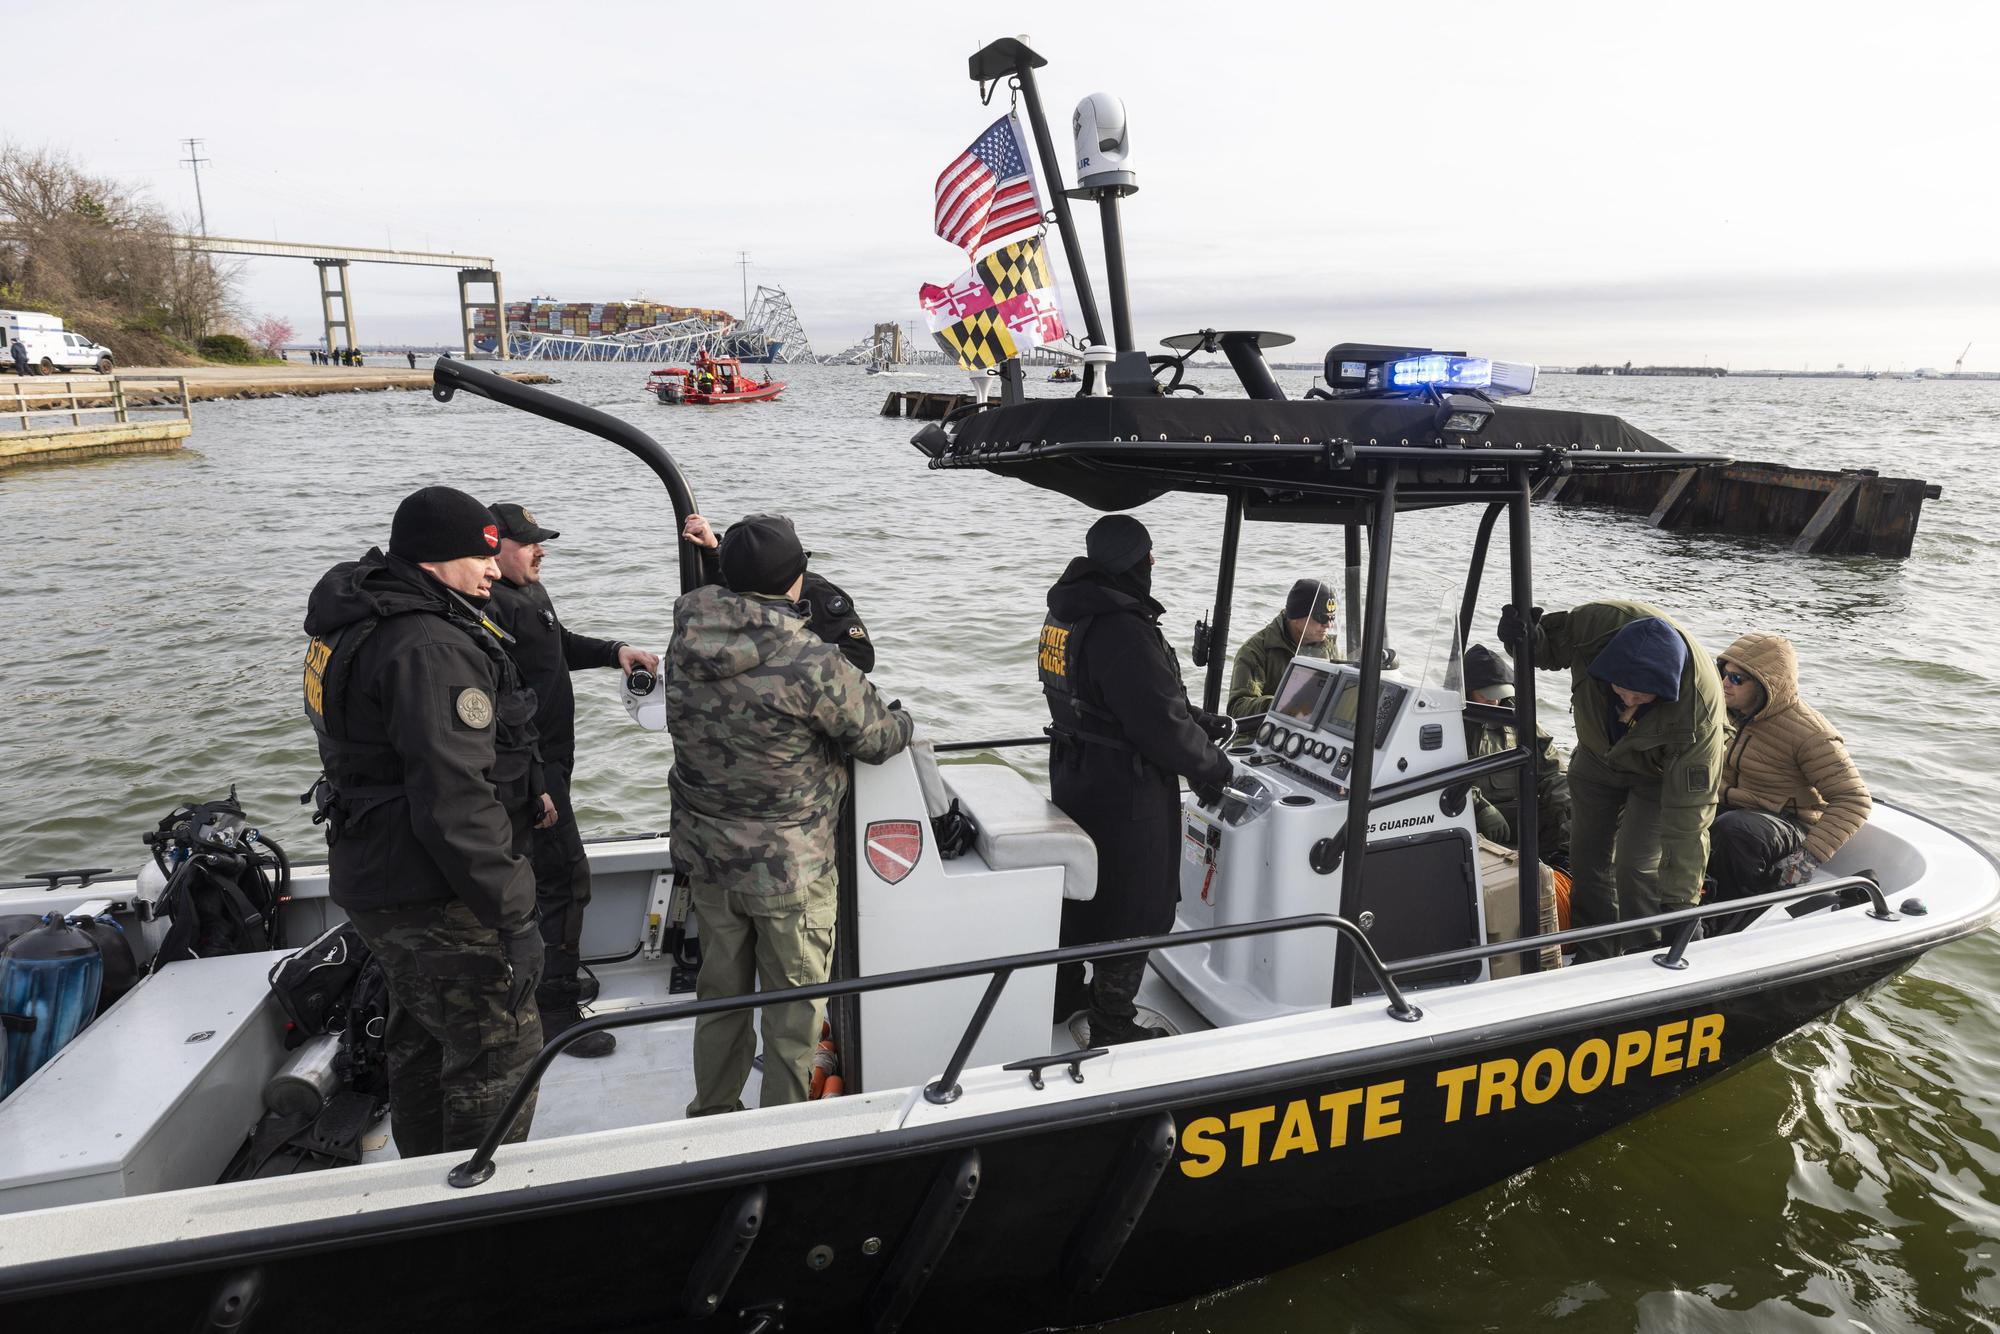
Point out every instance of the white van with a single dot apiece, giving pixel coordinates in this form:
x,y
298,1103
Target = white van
x,y
51,347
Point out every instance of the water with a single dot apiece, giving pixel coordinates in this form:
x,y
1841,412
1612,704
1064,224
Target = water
x,y
151,648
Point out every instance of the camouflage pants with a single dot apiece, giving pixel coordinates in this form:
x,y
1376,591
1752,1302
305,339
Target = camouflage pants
x,y
745,947
455,1051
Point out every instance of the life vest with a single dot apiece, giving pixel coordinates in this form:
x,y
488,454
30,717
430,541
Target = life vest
x,y
359,776
1075,719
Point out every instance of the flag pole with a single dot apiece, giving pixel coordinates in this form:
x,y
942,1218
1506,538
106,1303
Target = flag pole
x,y
1010,56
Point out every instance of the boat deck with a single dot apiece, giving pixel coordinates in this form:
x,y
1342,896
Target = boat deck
x,y
650,1077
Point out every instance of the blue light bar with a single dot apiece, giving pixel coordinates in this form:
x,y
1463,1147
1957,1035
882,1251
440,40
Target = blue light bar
x,y
1494,377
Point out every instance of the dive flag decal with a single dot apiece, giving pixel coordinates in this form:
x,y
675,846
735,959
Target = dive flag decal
x,y
894,847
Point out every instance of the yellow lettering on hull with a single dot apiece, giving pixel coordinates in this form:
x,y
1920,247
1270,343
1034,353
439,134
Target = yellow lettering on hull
x,y
1253,1136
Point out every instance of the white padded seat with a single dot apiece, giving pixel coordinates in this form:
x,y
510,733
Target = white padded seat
x,y
1020,827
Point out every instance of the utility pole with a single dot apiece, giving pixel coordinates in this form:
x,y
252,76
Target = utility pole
x,y
195,159
743,262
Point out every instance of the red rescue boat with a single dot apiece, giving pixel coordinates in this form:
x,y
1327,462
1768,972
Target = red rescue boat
x,y
711,380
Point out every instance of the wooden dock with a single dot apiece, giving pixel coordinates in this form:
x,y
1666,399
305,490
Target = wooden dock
x,y
1853,511
923,405
35,409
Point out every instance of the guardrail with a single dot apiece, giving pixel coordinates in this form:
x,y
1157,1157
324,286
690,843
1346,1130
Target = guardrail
x,y
116,398
479,1168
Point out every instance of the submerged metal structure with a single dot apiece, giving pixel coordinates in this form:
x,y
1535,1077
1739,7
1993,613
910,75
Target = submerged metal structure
x,y
770,332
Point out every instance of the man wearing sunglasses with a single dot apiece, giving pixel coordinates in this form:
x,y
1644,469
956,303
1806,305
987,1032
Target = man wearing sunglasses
x,y
546,652
1650,730
1791,795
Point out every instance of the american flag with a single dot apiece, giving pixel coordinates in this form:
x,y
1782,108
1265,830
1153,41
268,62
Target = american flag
x,y
988,192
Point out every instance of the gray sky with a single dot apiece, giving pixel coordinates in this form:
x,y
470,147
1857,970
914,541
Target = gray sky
x,y
1750,183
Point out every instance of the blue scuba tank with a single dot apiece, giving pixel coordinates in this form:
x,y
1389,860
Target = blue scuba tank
x,y
51,975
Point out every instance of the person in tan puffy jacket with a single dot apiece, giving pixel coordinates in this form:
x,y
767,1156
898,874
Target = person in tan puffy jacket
x,y
1790,795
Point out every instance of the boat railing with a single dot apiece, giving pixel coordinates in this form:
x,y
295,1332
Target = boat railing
x,y
945,1088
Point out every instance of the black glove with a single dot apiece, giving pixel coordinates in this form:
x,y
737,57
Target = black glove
x,y
1209,794
1217,727
525,952
1513,628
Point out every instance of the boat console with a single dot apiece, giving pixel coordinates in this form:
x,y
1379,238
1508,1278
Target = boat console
x,y
1273,847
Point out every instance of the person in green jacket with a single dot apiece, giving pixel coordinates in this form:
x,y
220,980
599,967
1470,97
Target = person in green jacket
x,y
1299,629
1650,730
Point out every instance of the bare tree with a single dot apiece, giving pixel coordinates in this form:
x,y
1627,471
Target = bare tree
x,y
93,249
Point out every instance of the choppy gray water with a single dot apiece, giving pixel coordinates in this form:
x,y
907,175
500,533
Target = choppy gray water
x,y
150,645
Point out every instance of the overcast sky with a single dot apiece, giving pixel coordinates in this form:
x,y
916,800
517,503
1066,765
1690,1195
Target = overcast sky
x,y
1750,184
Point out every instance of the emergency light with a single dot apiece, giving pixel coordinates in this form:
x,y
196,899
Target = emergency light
x,y
1447,372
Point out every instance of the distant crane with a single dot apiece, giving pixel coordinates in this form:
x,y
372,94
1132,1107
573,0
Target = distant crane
x,y
1958,367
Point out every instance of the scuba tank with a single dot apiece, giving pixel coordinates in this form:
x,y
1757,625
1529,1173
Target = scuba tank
x,y
50,976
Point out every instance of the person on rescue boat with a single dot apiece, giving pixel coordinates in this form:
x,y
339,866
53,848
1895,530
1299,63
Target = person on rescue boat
x,y
764,718
1496,798
1300,630
1791,795
1650,727
429,786
546,652
1123,734
830,613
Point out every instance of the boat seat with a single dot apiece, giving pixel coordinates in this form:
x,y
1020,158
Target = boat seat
x,y
1020,827
157,1094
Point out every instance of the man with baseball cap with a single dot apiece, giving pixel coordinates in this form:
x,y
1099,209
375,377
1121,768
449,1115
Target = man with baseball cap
x,y
546,652
764,715
1122,735
1298,630
428,747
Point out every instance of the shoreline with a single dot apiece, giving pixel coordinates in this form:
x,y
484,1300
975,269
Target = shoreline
x,y
211,383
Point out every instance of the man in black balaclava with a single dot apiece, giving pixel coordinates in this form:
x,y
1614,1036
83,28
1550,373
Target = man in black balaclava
x,y
1123,735
428,790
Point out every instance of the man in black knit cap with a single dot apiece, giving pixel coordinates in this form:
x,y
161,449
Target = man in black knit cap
x,y
428,791
546,652
1123,733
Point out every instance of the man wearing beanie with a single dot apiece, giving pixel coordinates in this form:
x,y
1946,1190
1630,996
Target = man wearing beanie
x,y
1300,629
764,715
546,652
1644,779
829,612
1123,735
427,743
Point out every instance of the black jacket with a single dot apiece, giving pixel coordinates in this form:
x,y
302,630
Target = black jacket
x,y
423,707
1125,795
1123,666
547,651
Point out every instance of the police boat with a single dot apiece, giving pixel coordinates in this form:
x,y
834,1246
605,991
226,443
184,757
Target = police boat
x,y
1369,1017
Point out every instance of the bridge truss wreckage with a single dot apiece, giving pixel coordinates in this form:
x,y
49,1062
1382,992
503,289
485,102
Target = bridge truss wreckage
x,y
770,333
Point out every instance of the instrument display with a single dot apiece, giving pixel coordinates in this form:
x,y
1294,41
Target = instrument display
x,y
1300,692
1340,714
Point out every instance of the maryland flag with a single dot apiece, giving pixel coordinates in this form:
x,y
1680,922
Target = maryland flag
x,y
1007,300
1014,269
980,342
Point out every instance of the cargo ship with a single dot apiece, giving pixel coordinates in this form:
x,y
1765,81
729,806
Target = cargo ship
x,y
585,319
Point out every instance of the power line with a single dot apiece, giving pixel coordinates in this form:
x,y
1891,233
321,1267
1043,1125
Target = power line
x,y
195,159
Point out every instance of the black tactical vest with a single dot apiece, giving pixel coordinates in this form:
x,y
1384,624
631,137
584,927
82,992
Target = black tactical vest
x,y
1075,717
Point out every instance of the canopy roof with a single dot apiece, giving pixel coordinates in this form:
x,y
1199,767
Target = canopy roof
x,y
1115,453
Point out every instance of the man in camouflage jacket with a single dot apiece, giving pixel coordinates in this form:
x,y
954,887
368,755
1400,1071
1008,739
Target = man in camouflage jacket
x,y
764,716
